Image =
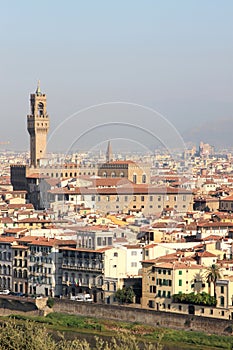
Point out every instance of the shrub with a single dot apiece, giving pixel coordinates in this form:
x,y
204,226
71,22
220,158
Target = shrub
x,y
50,302
203,299
125,295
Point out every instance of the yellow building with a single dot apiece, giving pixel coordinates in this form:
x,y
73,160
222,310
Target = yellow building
x,y
162,280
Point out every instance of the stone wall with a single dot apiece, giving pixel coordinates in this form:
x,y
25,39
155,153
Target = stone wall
x,y
120,313
18,305
159,318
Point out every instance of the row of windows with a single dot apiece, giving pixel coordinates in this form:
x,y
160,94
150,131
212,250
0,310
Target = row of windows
x,y
5,282
81,279
81,264
160,271
41,279
38,249
102,241
20,263
151,304
5,270
40,269
164,272
42,259
75,174
79,255
5,256
164,294
42,124
20,253
126,198
163,282
20,273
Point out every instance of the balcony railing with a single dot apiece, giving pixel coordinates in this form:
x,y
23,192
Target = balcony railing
x,y
82,268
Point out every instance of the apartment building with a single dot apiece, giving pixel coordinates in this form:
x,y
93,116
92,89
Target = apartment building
x,y
6,262
161,281
20,268
45,273
83,272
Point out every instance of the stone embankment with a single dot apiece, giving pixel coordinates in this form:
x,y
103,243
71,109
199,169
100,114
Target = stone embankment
x,y
12,305
150,317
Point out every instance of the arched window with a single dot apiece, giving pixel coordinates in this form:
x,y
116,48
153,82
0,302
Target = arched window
x,y
8,270
73,278
20,274
100,282
15,273
122,174
108,286
25,274
66,276
105,174
87,279
4,269
113,174
40,109
144,178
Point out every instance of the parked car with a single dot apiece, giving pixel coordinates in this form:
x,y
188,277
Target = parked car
x,y
81,297
5,291
84,297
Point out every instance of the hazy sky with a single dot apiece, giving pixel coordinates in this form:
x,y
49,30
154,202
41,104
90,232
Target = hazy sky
x,y
173,56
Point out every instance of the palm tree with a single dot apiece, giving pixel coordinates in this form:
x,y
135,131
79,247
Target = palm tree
x,y
213,274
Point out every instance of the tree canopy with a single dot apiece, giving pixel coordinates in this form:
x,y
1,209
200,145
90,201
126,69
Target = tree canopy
x,y
213,274
197,299
125,295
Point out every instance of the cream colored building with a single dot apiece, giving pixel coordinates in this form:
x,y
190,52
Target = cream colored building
x,y
136,198
121,262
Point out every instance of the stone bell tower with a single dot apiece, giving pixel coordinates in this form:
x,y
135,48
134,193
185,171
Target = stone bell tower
x,y
38,127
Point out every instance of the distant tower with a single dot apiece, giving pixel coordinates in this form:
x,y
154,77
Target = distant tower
x,y
38,127
109,157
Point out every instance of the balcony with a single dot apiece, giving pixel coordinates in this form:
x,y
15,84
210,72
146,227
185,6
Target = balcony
x,y
82,268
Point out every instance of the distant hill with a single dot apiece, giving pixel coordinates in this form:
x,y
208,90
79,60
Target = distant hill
x,y
218,133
